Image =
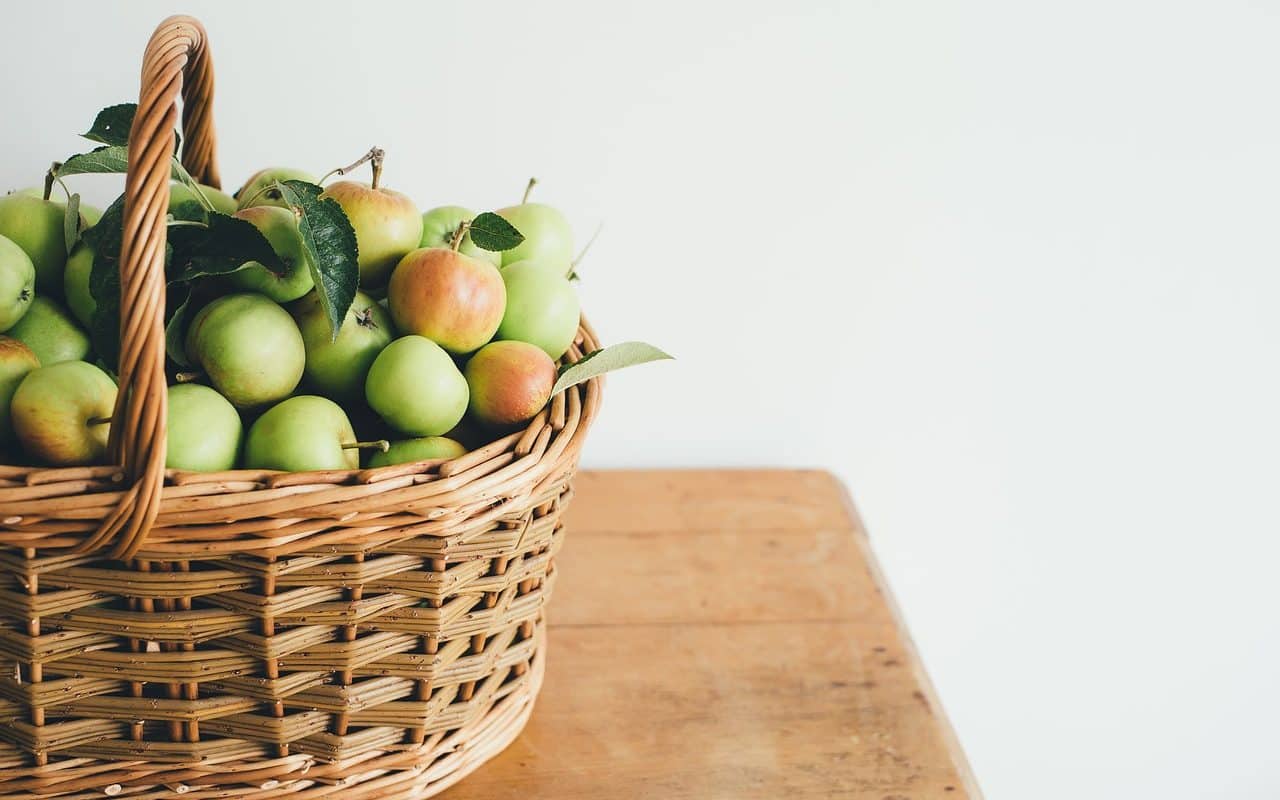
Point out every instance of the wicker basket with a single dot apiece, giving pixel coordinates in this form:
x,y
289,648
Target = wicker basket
x,y
376,633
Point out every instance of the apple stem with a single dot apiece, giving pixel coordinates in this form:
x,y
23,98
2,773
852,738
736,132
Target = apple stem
x,y
456,240
188,377
98,420
49,178
380,444
375,154
528,188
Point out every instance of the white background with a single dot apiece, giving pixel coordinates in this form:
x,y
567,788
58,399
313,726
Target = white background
x,y
1010,270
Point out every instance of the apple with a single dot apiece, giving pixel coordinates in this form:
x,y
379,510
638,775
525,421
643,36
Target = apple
x,y
547,235
16,360
416,388
302,434
255,191
204,430
75,284
89,215
337,368
454,300
424,448
180,194
249,347
280,228
51,333
17,283
542,307
509,383
387,226
35,225
60,413
439,225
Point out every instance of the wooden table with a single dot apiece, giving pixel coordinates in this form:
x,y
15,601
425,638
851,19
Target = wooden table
x,y
725,635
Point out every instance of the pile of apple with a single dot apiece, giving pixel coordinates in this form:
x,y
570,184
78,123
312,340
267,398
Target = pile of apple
x,y
444,346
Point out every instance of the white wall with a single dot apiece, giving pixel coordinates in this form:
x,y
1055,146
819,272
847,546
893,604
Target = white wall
x,y
1010,269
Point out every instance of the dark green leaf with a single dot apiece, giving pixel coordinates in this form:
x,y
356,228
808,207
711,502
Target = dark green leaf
x,y
609,359
112,124
188,211
104,281
225,245
491,232
175,330
331,244
110,159
71,221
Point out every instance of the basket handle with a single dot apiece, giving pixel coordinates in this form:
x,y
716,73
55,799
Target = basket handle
x,y
176,62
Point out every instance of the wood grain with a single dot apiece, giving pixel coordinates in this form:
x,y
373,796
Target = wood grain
x,y
725,634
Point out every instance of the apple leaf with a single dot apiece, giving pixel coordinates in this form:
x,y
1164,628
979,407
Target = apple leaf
x,y
71,222
112,124
331,245
105,159
493,233
175,330
598,362
225,245
104,281
188,211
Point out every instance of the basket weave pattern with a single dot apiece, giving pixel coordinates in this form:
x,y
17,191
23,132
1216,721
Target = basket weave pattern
x,y
376,633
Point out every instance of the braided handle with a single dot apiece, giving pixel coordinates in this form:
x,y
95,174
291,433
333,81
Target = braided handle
x,y
176,62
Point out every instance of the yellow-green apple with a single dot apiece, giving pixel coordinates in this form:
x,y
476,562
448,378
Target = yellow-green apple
x,y
204,430
35,225
440,224
302,434
75,283
509,382
60,413
423,448
257,192
17,283
181,196
16,360
249,347
336,368
51,333
547,235
542,306
454,300
416,388
387,226
89,215
280,228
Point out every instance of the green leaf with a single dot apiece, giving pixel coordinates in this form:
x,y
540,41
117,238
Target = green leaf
x,y
111,159
188,211
175,330
491,232
112,124
225,245
104,281
71,222
611,358
331,244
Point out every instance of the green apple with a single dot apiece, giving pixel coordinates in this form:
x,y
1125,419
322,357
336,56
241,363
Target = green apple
x,y
387,225
547,235
416,388
59,413
16,360
302,434
454,300
204,430
51,333
439,225
89,215
509,383
181,196
337,368
280,228
424,448
35,225
17,283
542,306
75,284
249,348
255,191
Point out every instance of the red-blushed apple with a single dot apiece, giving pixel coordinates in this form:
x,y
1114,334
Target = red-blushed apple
x,y
60,413
387,224
509,383
454,300
16,360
